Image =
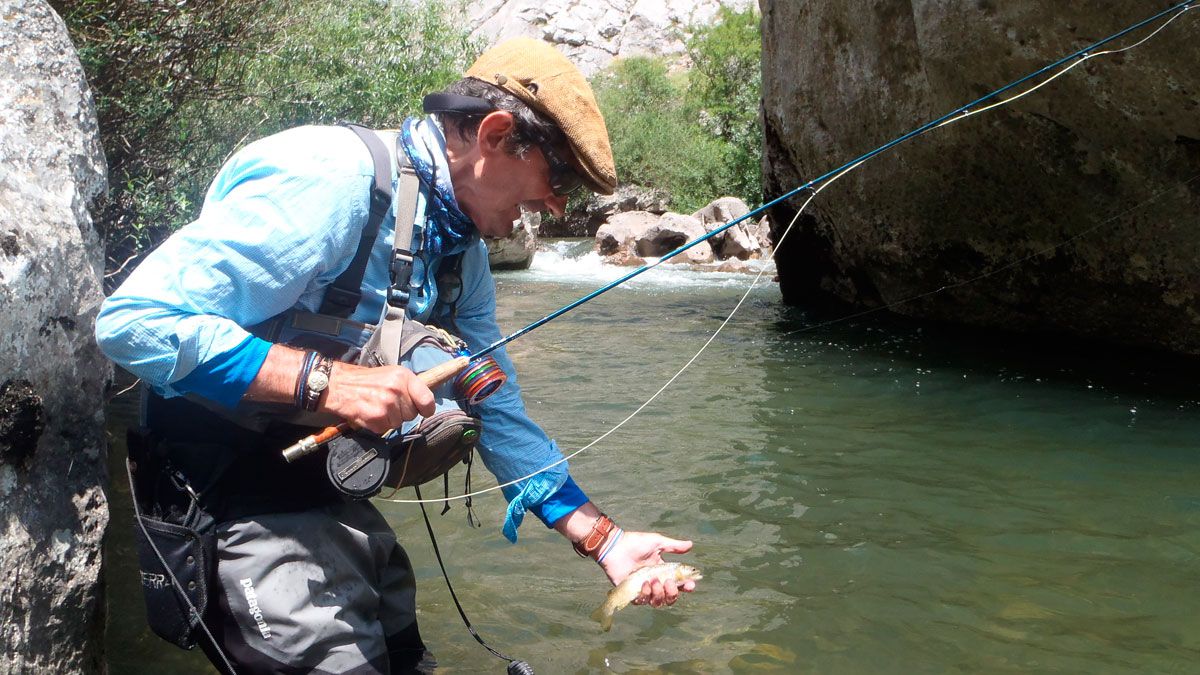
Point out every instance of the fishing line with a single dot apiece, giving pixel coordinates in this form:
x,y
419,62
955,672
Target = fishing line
x,y
823,182
669,382
963,112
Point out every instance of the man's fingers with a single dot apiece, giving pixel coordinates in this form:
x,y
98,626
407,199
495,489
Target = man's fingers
x,y
670,592
669,545
657,593
421,397
401,413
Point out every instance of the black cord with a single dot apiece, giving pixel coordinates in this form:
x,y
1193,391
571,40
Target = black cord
x,y
137,512
515,667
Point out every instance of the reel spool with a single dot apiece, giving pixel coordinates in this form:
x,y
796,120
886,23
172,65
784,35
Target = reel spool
x,y
479,380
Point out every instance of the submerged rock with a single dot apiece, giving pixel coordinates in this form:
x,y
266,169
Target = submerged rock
x,y
53,512
1079,187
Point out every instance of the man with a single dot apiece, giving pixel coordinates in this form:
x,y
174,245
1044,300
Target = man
x,y
307,579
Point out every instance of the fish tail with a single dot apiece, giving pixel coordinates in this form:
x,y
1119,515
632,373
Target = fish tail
x,y
605,618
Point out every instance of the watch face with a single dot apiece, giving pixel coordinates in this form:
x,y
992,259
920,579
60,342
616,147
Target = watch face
x,y
317,381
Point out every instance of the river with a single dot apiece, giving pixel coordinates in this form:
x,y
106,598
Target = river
x,y
870,495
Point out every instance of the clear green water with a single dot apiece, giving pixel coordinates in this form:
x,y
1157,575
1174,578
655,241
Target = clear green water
x,y
869,496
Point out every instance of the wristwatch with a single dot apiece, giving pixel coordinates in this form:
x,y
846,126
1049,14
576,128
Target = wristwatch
x,y
317,382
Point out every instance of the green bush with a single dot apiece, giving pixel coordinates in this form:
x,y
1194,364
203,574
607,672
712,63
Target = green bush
x,y
180,85
146,62
726,85
695,134
657,140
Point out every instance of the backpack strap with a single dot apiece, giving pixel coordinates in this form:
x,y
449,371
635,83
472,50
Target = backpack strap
x,y
343,295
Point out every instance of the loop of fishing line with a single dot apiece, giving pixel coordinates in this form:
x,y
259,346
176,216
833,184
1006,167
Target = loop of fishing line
x,y
816,186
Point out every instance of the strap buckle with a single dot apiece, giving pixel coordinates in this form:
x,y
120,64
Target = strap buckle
x,y
341,298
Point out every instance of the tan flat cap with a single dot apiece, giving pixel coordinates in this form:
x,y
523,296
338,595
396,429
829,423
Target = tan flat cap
x,y
546,81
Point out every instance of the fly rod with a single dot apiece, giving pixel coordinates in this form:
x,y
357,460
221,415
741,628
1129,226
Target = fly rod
x,y
472,365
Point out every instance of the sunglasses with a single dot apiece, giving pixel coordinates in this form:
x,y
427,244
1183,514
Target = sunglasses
x,y
564,179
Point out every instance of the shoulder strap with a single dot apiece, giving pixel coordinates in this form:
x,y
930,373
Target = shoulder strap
x,y
342,296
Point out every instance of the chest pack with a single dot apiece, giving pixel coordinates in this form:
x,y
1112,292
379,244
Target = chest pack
x,y
360,464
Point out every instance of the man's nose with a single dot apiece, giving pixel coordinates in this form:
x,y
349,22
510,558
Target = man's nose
x,y
556,205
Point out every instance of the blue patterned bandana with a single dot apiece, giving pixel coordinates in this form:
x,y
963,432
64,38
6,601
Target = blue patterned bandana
x,y
447,229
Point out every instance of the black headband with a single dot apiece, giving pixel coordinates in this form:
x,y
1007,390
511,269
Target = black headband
x,y
455,103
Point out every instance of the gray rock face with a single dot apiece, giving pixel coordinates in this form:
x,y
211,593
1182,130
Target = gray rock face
x,y
670,232
736,242
592,34
1083,181
52,511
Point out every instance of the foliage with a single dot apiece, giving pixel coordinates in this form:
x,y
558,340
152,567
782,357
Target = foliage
x,y
180,85
146,61
358,60
726,84
657,140
695,134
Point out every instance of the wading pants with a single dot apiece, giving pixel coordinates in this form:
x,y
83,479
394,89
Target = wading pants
x,y
328,590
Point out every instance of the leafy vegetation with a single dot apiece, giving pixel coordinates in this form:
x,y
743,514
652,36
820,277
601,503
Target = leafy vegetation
x,y
180,85
726,85
695,133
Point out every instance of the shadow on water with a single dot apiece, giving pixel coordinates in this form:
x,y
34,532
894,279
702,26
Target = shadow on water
x,y
1121,370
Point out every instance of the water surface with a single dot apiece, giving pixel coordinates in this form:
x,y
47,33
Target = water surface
x,y
866,496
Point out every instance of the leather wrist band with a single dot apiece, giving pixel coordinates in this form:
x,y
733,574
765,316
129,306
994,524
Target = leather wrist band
x,y
610,544
301,390
591,545
317,381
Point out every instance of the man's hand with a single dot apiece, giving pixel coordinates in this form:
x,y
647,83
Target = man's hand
x,y
378,399
638,549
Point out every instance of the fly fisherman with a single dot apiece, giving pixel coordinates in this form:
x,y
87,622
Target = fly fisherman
x,y
291,574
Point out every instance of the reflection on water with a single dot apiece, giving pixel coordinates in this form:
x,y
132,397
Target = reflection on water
x,y
869,496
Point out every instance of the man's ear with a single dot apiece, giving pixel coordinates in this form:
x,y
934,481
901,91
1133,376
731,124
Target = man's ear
x,y
494,131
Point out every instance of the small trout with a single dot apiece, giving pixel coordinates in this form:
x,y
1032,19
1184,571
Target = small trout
x,y
627,590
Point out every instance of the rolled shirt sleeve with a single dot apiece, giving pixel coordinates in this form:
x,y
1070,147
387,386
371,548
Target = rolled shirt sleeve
x,y
512,445
274,229
280,223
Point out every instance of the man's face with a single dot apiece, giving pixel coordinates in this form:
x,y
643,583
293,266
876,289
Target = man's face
x,y
492,185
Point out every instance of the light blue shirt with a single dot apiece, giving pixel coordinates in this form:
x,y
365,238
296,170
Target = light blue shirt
x,y
280,222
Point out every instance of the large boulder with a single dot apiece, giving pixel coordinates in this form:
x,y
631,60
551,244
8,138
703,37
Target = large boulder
x,y
53,512
515,252
1082,183
586,216
621,232
742,241
630,237
671,231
